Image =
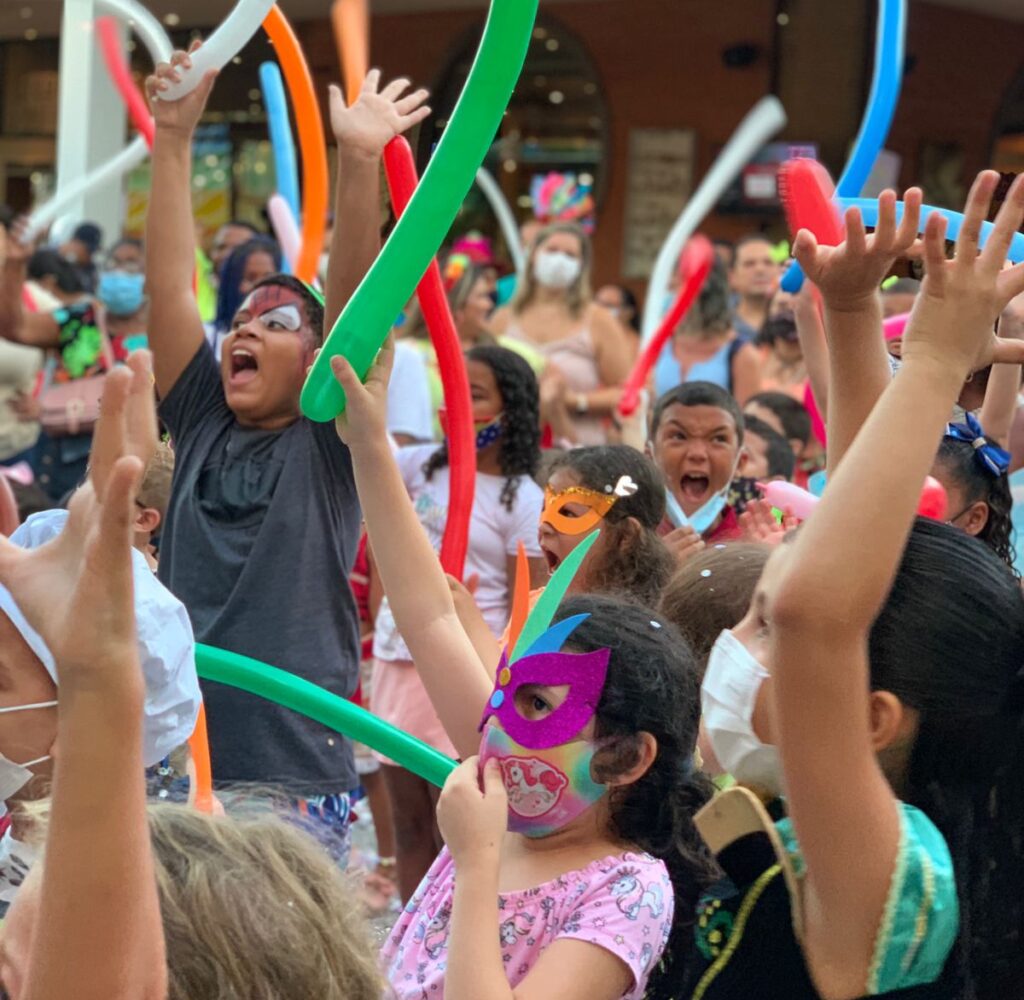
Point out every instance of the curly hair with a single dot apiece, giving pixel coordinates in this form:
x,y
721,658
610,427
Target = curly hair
x,y
636,565
960,461
520,422
651,687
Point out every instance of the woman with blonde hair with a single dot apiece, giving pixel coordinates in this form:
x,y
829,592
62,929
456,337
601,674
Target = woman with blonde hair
x,y
553,312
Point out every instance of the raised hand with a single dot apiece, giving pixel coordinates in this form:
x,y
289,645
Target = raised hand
x,y
759,525
77,590
472,812
850,274
377,116
953,322
684,543
183,115
364,421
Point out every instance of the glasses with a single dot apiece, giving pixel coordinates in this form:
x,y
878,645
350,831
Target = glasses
x,y
128,266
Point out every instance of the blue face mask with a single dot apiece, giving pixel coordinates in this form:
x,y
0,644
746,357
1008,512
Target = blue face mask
x,y
121,292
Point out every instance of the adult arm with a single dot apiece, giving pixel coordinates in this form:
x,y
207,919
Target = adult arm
x,y
746,373
175,328
16,324
821,603
811,332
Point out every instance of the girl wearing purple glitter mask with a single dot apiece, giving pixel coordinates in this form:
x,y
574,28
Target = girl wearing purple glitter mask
x,y
574,843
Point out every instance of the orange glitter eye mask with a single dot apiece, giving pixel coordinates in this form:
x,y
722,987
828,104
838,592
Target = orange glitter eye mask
x,y
597,503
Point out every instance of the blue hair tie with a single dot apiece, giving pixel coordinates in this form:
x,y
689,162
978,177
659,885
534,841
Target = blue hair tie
x,y
994,459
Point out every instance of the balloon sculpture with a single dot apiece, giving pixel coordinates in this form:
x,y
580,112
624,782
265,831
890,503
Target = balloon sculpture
x,y
327,708
370,313
760,124
400,169
881,106
694,267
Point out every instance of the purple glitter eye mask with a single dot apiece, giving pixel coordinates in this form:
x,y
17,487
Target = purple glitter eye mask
x,y
536,660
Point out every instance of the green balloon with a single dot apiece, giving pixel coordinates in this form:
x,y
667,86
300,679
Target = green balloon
x,y
364,324
325,707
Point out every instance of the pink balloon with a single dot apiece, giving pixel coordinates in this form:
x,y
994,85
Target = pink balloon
x,y
894,326
789,498
286,228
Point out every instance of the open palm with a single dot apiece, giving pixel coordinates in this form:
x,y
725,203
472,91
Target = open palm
x,y
377,116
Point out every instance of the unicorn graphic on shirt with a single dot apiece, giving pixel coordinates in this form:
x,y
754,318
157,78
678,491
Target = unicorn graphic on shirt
x,y
533,786
516,927
631,897
435,932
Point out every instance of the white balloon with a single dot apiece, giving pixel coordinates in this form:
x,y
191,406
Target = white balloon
x,y
221,47
761,123
159,47
499,204
128,159
144,24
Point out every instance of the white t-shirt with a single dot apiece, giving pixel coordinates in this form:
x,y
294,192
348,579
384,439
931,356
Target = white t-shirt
x,y
494,535
409,409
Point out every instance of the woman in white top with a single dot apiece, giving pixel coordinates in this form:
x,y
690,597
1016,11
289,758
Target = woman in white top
x,y
587,351
506,509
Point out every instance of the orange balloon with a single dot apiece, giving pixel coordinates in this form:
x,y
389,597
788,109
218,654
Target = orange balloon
x,y
199,746
311,141
351,19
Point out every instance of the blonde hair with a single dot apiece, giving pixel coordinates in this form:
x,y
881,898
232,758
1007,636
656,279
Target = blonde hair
x,y
155,490
578,295
252,907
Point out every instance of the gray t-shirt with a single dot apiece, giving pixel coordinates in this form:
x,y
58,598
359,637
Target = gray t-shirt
x,y
260,537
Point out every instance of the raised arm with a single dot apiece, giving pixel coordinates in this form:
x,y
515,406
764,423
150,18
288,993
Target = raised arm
x,y
414,582
849,277
1003,389
822,600
361,132
17,325
175,328
811,332
98,934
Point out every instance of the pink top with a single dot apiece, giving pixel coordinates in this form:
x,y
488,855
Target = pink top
x,y
622,903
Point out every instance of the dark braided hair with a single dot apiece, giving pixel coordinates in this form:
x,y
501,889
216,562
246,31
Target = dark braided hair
x,y
636,564
651,687
520,423
961,462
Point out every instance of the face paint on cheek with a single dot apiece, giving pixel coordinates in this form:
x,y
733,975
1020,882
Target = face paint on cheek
x,y
546,789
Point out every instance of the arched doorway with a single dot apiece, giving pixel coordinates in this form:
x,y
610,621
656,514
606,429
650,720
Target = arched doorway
x,y
556,122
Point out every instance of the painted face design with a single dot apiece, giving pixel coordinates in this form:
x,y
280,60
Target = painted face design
x,y
546,789
488,429
275,307
557,513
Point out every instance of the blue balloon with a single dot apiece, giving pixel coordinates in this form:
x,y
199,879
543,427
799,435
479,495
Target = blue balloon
x,y
869,211
874,129
286,169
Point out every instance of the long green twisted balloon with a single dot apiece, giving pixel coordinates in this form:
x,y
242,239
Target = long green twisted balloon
x,y
324,707
390,283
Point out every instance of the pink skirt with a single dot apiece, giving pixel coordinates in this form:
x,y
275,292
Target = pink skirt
x,y
400,699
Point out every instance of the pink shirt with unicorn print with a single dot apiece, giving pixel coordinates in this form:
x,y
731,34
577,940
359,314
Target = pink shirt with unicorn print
x,y
622,903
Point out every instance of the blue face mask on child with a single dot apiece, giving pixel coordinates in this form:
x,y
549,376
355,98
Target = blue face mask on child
x,y
121,292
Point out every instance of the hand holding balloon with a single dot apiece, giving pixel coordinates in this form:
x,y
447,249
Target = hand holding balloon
x,y
223,45
179,116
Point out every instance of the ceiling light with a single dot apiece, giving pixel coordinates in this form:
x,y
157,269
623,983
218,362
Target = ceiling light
x,y
556,97
172,20
31,34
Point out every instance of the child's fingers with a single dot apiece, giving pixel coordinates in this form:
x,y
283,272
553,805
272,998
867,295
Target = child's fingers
x,y
974,215
381,370
935,248
345,374
372,82
141,420
1007,352
108,439
856,237
394,90
493,782
885,231
1008,221
805,250
906,236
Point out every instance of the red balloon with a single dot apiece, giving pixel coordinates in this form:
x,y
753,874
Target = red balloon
x,y
807,192
933,503
120,74
400,168
695,265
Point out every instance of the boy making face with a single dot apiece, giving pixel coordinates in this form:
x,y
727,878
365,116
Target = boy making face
x,y
696,439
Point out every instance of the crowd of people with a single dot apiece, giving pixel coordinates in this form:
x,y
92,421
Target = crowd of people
x,y
706,748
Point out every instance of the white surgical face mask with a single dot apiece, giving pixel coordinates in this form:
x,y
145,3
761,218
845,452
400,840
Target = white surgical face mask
x,y
14,777
706,515
555,269
728,697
